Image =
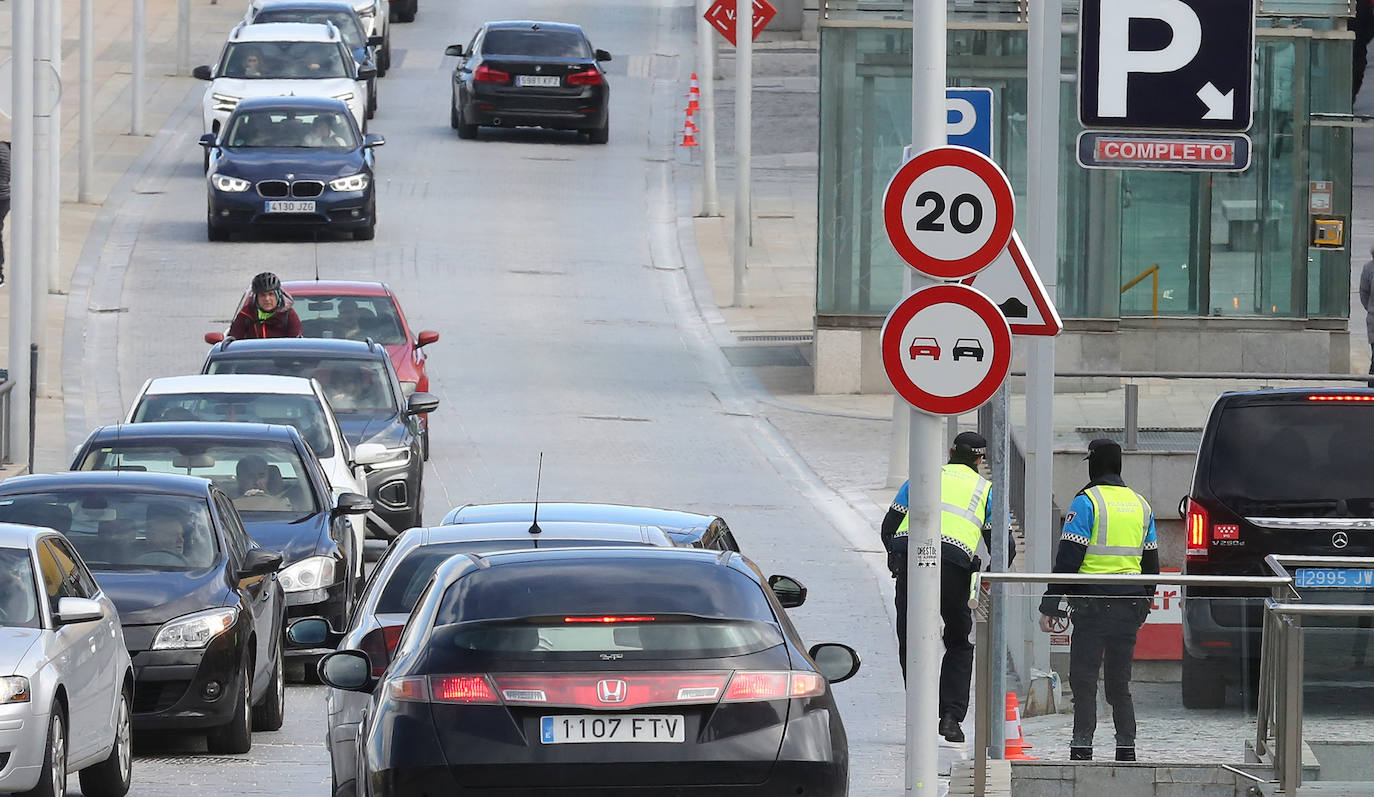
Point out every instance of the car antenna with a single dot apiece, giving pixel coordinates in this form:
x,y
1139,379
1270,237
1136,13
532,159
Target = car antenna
x,y
534,527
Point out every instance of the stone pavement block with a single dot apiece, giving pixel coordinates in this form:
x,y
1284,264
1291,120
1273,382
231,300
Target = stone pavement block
x,y
1106,779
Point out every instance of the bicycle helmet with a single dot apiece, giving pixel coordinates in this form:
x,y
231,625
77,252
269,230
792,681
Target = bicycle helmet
x,y
265,282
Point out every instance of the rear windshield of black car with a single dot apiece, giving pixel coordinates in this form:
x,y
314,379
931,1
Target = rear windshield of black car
x,y
537,43
641,637
1294,459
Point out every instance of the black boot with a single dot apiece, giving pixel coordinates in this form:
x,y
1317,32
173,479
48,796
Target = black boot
x,y
949,728
1125,754
1080,754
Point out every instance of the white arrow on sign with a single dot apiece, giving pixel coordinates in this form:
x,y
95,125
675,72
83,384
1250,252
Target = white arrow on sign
x,y
1219,106
1013,284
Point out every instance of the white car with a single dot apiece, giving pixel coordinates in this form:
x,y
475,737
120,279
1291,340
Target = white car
x,y
374,14
66,682
250,398
278,59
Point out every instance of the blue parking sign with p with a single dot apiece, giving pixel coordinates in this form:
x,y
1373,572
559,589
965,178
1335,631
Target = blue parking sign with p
x,y
968,118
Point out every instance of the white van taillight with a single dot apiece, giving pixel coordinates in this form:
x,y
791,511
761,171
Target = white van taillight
x,y
1197,531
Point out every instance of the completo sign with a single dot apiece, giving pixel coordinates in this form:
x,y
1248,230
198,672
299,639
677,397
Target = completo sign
x,y
1099,150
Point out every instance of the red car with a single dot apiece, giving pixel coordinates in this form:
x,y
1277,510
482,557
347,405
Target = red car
x,y
925,347
360,310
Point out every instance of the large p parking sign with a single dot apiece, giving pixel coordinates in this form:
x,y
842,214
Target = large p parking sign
x,y
1166,64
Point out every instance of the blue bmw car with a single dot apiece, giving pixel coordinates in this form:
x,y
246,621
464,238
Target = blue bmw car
x,y
290,162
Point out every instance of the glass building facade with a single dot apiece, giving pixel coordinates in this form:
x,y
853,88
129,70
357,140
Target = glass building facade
x,y
1229,245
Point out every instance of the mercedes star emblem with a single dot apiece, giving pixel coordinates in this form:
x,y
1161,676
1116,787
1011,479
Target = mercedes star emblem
x,y
1339,540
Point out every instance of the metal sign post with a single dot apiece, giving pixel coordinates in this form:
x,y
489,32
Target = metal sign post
x,y
744,120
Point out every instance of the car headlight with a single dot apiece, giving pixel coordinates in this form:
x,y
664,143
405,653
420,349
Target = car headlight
x,y
347,96
230,185
14,689
395,458
195,630
224,102
310,573
353,182
408,388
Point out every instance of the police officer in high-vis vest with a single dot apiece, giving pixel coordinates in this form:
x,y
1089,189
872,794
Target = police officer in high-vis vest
x,y
965,499
1109,529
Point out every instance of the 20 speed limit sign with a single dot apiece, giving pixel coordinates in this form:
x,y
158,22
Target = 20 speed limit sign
x,y
949,212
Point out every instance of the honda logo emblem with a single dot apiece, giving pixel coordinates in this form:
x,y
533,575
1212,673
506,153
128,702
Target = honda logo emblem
x,y
1339,540
611,691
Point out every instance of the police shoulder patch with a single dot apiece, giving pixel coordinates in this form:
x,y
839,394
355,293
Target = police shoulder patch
x,y
1069,517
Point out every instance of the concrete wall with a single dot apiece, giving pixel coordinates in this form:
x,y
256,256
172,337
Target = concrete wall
x,y
1035,779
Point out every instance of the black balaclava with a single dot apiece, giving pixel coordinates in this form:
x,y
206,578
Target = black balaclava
x,y
1104,459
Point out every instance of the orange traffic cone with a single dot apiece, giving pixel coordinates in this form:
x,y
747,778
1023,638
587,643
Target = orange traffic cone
x,y
689,131
693,95
1016,744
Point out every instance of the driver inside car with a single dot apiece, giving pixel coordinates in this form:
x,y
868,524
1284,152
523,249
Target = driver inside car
x,y
17,606
165,532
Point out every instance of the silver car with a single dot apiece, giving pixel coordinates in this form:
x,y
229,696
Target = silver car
x,y
66,681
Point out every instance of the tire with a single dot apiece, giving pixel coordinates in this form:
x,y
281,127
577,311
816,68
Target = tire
x,y
205,160
365,233
602,134
424,444
214,232
465,130
236,737
453,119
111,777
384,58
54,782
1202,683
408,14
271,712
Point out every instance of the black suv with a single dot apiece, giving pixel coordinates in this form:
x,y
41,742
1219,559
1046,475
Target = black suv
x,y
1278,471
366,396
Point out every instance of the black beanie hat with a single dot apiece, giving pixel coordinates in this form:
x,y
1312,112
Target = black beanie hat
x,y
1104,457
967,448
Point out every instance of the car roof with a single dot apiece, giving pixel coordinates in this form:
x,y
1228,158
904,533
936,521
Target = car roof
x,y
518,24
669,519
332,347
335,287
210,430
230,383
132,481
285,32
18,535
291,103
550,530
277,5
1298,393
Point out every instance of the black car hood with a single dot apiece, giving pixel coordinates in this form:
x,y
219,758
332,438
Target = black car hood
x,y
389,430
273,162
293,536
152,597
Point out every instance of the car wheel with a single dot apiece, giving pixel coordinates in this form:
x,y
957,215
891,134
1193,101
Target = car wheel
x,y
424,444
365,233
54,779
602,134
236,737
465,130
214,232
271,712
1202,683
111,777
205,160
384,58
453,119
408,15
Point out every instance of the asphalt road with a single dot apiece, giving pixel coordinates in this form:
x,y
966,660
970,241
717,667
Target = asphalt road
x,y
553,271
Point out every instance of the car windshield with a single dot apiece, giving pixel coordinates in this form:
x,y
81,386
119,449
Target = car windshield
x,y
1295,459
345,21
123,530
350,317
260,476
304,412
353,386
18,595
284,61
290,129
538,43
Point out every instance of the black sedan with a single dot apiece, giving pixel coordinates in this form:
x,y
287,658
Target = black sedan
x,y
290,161
200,606
530,74
278,488
368,400
581,671
341,15
688,529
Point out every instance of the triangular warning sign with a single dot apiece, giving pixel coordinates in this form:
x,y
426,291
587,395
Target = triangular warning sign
x,y
1014,286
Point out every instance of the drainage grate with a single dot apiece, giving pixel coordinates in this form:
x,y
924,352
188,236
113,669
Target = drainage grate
x,y
757,356
1150,438
182,758
782,337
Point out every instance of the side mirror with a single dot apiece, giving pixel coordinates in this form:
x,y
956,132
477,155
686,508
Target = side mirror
x,y
835,661
78,610
259,562
207,140
312,631
352,504
455,50
426,337
374,140
375,41
602,55
1183,507
789,591
369,454
367,72
202,73
349,670
213,337
422,403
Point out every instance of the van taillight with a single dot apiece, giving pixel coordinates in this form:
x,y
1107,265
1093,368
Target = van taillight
x,y
1197,531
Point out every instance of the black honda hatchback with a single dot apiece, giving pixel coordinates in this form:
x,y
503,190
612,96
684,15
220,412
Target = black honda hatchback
x,y
581,671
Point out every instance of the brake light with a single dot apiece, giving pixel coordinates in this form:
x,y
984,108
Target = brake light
x,y
1342,397
486,74
806,684
379,644
591,77
1196,543
392,634
470,689
609,619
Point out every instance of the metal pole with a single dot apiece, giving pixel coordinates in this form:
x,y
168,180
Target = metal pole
x,y
44,222
183,37
999,462
55,154
20,275
981,690
86,130
1042,217
926,451
744,113
706,81
140,66
33,402
1132,420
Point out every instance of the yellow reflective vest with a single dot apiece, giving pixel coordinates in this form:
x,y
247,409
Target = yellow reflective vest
x,y
963,507
1121,517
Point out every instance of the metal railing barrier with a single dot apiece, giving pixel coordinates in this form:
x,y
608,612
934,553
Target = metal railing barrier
x,y
1153,273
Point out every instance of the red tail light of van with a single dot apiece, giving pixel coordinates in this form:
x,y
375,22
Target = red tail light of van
x,y
1197,531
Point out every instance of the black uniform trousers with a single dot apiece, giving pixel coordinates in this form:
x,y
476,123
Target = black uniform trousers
x,y
1104,631
956,669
